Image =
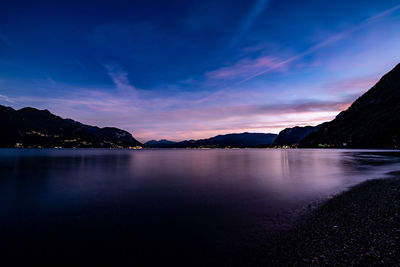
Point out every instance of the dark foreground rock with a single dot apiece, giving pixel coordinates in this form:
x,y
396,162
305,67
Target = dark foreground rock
x,y
359,227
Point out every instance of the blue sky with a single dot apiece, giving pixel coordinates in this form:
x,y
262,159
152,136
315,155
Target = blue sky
x,y
193,69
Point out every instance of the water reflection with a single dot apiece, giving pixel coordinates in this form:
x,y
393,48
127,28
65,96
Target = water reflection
x,y
160,201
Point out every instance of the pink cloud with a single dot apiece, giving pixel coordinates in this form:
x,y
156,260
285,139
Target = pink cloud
x,y
180,115
353,85
328,41
188,119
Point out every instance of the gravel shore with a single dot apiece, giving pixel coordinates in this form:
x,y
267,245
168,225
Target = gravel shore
x,y
360,227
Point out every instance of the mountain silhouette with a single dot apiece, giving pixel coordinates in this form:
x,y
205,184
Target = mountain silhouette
x,y
30,127
293,136
163,143
240,140
372,121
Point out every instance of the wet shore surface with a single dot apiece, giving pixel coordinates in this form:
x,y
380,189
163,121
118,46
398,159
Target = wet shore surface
x,y
360,227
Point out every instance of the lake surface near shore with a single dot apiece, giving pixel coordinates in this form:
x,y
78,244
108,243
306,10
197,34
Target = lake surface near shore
x,y
175,205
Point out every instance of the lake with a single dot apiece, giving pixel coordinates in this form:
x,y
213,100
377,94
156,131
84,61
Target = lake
x,y
182,206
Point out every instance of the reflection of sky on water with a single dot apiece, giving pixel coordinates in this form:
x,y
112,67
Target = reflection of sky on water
x,y
40,177
158,202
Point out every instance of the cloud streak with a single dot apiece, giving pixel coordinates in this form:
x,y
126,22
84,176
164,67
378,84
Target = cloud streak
x,y
120,79
329,41
246,67
251,17
155,118
6,99
6,41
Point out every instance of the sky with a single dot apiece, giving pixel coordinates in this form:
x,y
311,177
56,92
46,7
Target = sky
x,y
193,69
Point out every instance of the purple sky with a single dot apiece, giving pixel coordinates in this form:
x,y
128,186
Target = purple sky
x,y
181,71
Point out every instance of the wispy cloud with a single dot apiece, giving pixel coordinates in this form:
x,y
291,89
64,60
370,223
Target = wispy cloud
x,y
357,85
249,20
6,41
120,79
6,99
246,67
155,118
328,41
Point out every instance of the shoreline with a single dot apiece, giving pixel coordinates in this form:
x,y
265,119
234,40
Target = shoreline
x,y
360,226
203,148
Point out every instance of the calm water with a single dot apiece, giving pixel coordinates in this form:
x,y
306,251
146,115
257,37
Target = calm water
x,y
192,206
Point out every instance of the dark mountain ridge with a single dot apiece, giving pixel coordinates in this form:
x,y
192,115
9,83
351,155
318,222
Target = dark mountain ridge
x,y
372,121
163,143
240,140
30,127
293,136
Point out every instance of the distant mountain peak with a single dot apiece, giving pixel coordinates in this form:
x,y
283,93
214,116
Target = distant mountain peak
x,y
220,141
293,136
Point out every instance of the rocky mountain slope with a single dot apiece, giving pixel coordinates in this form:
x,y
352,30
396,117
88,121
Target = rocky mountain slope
x,y
372,121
